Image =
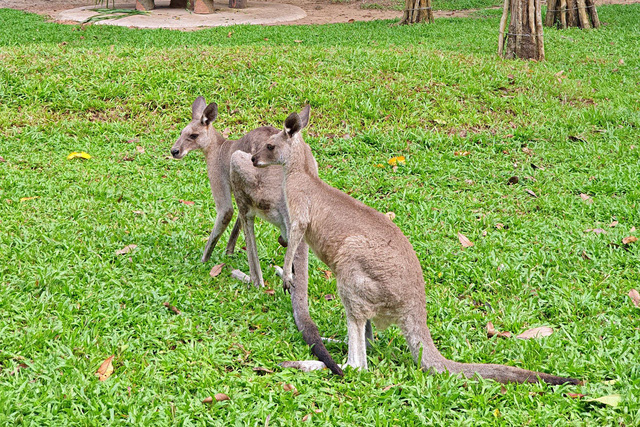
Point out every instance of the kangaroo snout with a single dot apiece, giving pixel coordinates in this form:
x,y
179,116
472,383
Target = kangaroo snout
x,y
175,152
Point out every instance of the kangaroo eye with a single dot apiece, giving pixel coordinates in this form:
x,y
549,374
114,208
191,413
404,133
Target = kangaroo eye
x,y
193,136
270,147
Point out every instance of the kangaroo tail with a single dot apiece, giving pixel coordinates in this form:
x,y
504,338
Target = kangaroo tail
x,y
300,305
419,339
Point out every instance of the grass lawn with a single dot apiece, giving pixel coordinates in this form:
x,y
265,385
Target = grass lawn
x,y
465,120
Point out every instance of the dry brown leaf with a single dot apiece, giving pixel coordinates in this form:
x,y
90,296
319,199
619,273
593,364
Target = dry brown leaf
x,y
505,334
391,215
540,332
327,274
271,292
585,256
298,41
613,224
595,230
499,226
491,330
2,160
140,149
208,400
575,395
351,21
291,388
261,370
230,33
629,240
126,249
138,212
217,269
528,151
464,241
329,297
306,417
531,193
635,297
461,153
106,369
586,198
187,202
221,396
171,308
389,387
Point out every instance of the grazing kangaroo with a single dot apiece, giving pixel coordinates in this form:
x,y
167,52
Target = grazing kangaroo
x,y
258,192
377,271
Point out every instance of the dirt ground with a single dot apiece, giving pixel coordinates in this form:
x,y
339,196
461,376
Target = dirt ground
x,y
318,11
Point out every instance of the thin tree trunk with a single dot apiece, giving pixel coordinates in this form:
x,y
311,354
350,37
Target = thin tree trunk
x,y
417,11
237,4
503,26
524,38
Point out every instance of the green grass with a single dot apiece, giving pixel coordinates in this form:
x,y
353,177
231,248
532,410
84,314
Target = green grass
x,y
67,302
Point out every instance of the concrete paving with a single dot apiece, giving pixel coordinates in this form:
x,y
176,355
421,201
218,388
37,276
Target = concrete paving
x,y
181,19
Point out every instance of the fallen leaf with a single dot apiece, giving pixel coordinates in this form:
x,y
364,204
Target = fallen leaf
x,y
329,297
187,202
633,230
389,387
491,330
505,334
461,153
2,160
351,21
138,212
398,160
469,181
585,197
575,395
217,269
613,224
540,332
106,369
379,165
528,151
536,167
291,388
140,149
629,240
306,417
221,396
208,400
621,61
531,193
503,389
464,241
635,297
585,256
261,370
78,155
126,249
24,199
171,308
327,274
20,366
271,292
499,226
513,180
298,41
611,400
230,33
391,215
133,141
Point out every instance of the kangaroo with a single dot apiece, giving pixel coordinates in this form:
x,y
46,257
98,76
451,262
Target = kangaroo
x,y
377,271
257,193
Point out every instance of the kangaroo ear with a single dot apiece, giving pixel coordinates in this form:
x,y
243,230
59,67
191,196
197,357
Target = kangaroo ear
x,y
292,124
197,108
304,116
210,113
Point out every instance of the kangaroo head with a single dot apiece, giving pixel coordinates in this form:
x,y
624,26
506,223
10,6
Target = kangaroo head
x,y
198,134
276,149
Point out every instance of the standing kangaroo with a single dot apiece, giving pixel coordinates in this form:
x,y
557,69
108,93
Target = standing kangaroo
x,y
258,192
377,271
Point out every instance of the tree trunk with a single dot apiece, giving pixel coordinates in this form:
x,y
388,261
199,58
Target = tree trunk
x,y
572,13
237,4
145,5
524,38
417,11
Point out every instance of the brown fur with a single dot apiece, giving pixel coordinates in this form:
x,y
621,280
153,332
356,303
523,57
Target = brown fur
x,y
258,192
378,273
